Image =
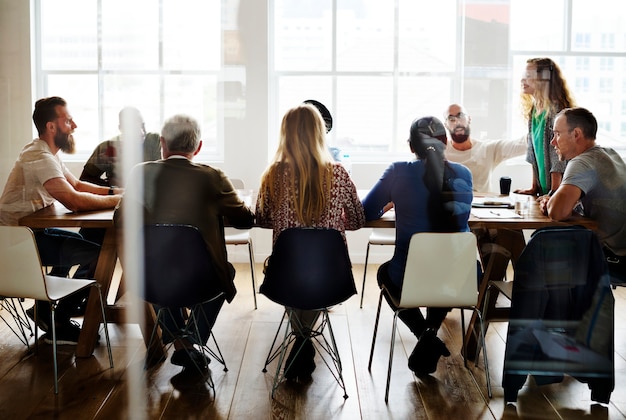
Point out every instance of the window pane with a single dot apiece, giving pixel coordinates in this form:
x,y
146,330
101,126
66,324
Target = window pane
x,y
130,34
602,95
69,46
81,94
595,28
419,97
537,25
427,44
140,91
365,35
364,113
196,97
191,40
303,35
296,89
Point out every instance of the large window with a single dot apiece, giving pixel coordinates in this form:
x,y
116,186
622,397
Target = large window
x,y
162,56
377,65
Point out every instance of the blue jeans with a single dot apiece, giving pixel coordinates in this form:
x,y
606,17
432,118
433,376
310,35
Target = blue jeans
x,y
61,249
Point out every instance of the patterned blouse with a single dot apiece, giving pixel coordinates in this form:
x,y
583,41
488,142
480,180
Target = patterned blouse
x,y
344,210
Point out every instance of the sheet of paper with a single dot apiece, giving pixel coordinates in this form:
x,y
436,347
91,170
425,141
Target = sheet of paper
x,y
495,213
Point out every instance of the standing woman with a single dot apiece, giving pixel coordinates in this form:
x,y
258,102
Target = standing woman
x,y
544,94
303,187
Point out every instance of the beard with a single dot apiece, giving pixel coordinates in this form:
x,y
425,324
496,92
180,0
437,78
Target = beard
x,y
65,142
460,134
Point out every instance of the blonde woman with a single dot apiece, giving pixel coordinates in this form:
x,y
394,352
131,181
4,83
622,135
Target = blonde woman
x,y
544,94
303,187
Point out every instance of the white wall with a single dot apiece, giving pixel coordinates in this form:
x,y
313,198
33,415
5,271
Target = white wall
x,y
15,82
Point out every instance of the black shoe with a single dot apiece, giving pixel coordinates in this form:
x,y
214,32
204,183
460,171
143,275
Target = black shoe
x,y
425,356
41,323
190,358
67,334
300,363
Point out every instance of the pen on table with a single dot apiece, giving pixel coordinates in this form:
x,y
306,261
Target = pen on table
x,y
494,212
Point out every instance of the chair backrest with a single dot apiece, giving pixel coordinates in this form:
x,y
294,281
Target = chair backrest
x,y
440,270
21,274
557,274
309,269
178,268
237,183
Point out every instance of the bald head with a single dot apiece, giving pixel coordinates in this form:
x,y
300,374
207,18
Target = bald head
x,y
457,121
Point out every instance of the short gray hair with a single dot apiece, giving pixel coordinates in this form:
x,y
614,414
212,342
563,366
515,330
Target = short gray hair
x,y
181,134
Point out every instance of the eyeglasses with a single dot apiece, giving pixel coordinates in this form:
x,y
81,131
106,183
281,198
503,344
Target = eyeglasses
x,y
454,118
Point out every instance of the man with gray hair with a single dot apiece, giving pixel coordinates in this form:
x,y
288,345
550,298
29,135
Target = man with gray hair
x,y
179,191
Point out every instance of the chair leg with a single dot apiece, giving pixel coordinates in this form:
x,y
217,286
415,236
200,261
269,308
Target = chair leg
x,y
53,306
217,354
380,301
104,322
330,348
367,254
273,353
251,252
16,310
391,348
281,354
482,336
482,342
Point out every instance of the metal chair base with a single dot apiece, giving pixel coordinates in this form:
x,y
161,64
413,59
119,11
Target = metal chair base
x,y
325,345
195,335
393,338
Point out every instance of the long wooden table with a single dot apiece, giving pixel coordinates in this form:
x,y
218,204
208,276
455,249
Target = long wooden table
x,y
58,216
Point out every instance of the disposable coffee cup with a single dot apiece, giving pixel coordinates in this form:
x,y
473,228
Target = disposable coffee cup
x,y
505,185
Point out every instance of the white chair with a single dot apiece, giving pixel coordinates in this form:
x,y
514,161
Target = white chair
x,y
235,236
440,272
22,276
379,236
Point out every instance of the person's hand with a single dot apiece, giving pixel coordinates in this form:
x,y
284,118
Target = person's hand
x,y
543,203
388,207
529,191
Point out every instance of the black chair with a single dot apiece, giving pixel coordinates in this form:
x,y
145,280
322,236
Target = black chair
x,y
561,317
309,269
178,273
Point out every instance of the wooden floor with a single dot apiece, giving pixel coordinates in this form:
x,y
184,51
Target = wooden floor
x,y
89,389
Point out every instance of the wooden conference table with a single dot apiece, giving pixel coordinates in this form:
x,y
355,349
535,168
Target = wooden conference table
x,y
58,216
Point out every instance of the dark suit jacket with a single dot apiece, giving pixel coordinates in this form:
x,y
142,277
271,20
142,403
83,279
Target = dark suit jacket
x,y
183,192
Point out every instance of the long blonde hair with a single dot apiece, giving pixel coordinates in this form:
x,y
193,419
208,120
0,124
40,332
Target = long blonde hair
x,y
303,157
551,93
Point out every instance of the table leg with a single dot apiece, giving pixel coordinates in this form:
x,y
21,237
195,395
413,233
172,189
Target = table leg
x,y
103,275
507,247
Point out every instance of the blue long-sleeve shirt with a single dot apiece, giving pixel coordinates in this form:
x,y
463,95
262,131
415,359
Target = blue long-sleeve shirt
x,y
402,183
